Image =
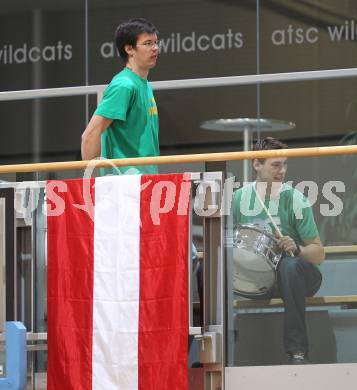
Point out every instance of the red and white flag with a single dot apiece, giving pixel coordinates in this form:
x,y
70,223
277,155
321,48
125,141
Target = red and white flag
x,y
117,283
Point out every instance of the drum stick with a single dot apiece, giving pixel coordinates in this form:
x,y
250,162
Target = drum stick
x,y
278,232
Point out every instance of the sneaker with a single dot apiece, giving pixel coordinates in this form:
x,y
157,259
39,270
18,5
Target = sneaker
x,y
297,358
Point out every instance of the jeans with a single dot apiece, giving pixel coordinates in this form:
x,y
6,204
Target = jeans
x,y
297,279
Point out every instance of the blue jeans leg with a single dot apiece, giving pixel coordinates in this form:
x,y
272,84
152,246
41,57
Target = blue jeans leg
x,y
297,279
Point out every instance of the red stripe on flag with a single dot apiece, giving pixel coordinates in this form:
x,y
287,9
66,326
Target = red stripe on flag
x,y
70,292
163,310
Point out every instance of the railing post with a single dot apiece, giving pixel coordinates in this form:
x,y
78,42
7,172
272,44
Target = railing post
x,y
99,96
16,358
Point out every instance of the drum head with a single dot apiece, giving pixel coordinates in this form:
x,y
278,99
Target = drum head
x,y
253,275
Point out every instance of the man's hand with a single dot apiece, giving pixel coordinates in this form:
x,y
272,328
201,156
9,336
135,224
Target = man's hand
x,y
287,244
312,250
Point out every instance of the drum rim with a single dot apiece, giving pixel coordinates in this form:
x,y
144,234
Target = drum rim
x,y
253,227
256,294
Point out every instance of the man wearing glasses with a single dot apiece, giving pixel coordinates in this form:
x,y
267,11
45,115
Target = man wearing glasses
x,y
125,124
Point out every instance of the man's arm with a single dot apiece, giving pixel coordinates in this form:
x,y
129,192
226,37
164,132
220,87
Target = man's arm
x,y
312,250
90,146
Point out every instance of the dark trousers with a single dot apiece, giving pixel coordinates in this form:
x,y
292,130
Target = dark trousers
x,y
296,279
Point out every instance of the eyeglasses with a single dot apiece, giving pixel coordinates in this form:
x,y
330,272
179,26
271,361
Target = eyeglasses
x,y
150,44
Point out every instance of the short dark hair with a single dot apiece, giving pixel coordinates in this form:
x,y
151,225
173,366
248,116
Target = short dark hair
x,y
127,34
268,143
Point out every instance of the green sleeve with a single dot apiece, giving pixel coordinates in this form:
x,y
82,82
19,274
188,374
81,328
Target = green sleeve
x,y
116,101
305,222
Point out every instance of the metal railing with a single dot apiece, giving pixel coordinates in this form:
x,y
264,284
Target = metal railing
x,y
185,158
187,83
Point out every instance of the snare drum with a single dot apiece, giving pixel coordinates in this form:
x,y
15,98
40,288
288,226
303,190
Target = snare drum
x,y
255,257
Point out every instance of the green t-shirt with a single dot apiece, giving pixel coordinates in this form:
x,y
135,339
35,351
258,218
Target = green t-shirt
x,y
290,210
129,101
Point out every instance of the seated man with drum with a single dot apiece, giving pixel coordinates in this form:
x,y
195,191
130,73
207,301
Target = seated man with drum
x,y
275,221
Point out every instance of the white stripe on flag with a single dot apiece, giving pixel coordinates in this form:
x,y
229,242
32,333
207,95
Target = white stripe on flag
x,y
116,283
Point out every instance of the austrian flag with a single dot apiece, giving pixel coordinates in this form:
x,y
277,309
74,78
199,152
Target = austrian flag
x,y
117,283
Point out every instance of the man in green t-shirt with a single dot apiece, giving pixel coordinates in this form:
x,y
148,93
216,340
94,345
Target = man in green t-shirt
x,y
298,275
125,124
